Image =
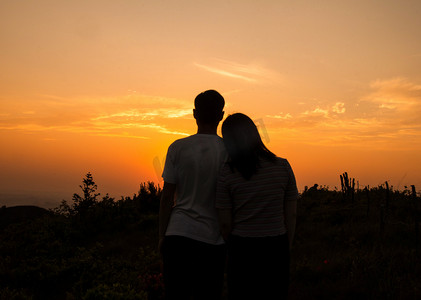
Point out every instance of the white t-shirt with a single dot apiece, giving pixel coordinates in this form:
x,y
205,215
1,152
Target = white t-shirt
x,y
193,164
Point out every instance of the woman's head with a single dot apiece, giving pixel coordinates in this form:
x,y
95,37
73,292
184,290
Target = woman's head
x,y
243,143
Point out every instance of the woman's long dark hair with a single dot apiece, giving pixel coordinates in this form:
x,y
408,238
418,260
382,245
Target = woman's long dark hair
x,y
244,145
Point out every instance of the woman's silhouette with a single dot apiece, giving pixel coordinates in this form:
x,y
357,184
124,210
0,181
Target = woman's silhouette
x,y
256,199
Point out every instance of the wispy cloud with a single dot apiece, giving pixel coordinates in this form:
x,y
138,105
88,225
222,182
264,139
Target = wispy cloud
x,y
127,115
251,72
339,108
387,115
281,116
224,72
312,116
141,114
398,94
132,116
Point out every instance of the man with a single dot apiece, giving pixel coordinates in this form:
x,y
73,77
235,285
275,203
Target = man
x,y
190,241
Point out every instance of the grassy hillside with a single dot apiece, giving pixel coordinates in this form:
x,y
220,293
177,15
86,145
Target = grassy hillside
x,y
363,249
365,246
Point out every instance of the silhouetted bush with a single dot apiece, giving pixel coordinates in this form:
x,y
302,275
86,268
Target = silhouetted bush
x,y
89,249
342,250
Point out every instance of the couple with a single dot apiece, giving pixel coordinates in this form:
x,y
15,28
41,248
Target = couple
x,y
229,196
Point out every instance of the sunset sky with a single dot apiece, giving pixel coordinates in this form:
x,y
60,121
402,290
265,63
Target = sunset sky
x,y
105,86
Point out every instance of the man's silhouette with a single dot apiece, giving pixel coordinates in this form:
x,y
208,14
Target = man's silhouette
x,y
192,247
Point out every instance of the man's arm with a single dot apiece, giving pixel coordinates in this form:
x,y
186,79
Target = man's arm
x,y
165,207
225,222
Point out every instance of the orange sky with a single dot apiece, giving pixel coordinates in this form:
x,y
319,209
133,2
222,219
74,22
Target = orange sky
x,y
105,86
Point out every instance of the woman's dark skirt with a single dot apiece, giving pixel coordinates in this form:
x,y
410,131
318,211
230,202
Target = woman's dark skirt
x,y
258,267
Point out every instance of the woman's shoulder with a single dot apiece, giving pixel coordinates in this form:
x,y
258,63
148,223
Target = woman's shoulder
x,y
275,160
281,160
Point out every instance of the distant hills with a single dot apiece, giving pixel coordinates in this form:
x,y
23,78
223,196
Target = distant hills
x,y
21,213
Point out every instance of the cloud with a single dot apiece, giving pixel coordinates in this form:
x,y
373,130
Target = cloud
x,y
398,94
339,108
142,114
317,112
313,116
252,72
387,115
281,116
224,72
131,116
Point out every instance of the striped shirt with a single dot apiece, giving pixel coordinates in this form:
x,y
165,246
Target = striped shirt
x,y
257,204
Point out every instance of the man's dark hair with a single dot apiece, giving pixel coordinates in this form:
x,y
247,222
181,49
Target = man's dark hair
x,y
208,106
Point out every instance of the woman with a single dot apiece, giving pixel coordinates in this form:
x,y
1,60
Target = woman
x,y
256,200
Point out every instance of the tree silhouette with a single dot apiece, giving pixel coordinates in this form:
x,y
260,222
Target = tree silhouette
x,y
89,199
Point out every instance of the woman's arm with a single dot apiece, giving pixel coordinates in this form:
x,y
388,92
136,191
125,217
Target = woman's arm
x,y
290,211
290,205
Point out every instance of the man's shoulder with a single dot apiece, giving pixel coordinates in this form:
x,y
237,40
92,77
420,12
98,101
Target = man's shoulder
x,y
181,141
195,138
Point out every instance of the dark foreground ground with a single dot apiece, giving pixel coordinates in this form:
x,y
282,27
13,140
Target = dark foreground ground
x,y
361,247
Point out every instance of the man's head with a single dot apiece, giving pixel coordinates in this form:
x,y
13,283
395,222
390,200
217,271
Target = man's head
x,y
209,107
